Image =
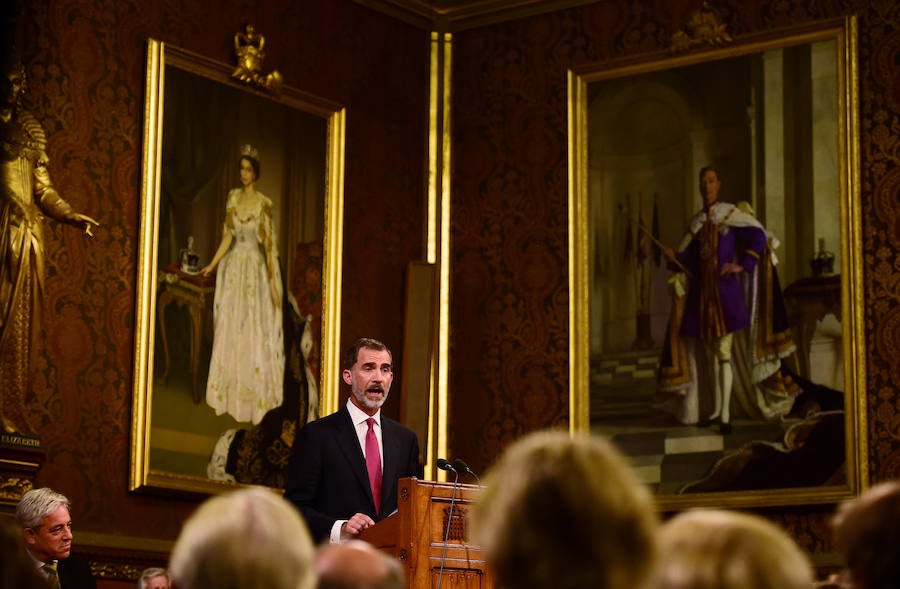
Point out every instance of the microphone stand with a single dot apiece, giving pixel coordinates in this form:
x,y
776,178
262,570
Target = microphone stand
x,y
449,520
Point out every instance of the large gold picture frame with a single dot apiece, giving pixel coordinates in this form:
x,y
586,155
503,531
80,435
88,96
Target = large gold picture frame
x,y
776,114
198,114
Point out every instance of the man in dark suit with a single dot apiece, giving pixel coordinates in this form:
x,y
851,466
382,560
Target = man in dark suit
x,y
345,467
44,516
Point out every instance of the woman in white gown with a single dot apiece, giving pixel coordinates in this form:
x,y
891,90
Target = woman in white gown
x,y
246,371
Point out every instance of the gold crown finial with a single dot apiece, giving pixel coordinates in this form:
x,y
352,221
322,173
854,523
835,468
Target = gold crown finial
x,y
249,151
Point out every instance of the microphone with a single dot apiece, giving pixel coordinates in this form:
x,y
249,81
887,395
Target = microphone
x,y
444,465
460,465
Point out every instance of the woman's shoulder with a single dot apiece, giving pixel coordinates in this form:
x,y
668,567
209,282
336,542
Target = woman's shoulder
x,y
233,195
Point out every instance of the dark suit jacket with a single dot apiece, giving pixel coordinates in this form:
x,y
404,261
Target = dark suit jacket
x,y
327,478
75,573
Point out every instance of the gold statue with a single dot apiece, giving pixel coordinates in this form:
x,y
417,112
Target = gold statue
x,y
27,197
250,49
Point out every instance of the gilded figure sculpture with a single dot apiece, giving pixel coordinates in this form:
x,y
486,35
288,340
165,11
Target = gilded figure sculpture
x,y
28,196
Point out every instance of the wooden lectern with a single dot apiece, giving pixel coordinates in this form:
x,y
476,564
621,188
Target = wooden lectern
x,y
415,534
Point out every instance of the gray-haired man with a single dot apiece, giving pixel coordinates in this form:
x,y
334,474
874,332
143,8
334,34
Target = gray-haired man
x,y
46,522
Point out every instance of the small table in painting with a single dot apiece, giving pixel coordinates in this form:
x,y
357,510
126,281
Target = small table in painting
x,y
191,291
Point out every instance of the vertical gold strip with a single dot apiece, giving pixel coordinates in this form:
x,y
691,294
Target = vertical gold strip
x,y
437,241
444,268
434,107
434,130
146,281
334,224
856,434
579,305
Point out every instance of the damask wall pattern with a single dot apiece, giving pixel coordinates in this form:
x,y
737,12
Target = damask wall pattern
x,y
509,315
509,286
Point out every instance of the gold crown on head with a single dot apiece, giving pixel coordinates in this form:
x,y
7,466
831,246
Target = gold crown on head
x,y
249,151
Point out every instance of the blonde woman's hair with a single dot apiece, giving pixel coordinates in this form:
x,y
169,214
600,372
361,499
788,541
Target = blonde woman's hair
x,y
719,549
249,538
566,512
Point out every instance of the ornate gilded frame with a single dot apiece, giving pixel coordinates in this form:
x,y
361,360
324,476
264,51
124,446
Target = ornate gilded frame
x,y
250,84
703,45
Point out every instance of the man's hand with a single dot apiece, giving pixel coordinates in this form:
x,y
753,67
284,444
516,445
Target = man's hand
x,y
355,525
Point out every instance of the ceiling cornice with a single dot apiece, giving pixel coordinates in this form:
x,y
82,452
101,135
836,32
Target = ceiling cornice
x,y
448,16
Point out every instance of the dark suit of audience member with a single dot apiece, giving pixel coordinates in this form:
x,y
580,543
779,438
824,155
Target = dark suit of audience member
x,y
44,516
329,478
75,573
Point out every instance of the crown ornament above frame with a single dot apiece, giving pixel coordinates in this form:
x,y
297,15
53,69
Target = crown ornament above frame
x,y
705,27
250,51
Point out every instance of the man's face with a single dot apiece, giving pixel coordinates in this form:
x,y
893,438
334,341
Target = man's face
x,y
370,379
157,582
709,187
52,539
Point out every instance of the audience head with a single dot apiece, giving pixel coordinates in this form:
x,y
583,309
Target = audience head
x,y
248,538
17,569
154,578
717,549
357,565
867,534
565,512
46,524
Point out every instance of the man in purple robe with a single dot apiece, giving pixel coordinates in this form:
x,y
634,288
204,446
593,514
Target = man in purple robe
x,y
720,257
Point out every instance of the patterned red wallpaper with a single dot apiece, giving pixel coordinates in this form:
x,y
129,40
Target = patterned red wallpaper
x,y
509,338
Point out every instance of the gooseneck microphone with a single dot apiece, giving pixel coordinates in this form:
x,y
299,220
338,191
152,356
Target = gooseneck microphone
x,y
444,465
460,465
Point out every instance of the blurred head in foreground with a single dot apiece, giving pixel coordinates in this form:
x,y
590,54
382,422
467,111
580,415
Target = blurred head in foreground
x,y
356,564
248,538
565,512
867,534
718,549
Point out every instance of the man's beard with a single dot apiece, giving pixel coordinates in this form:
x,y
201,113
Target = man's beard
x,y
372,403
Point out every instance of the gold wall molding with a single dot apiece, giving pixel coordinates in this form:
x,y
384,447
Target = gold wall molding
x,y
454,16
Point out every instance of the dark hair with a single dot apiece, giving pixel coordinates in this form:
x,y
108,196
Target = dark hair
x,y
867,535
706,169
364,342
253,162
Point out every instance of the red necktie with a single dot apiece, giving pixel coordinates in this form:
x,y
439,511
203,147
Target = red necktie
x,y
373,464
